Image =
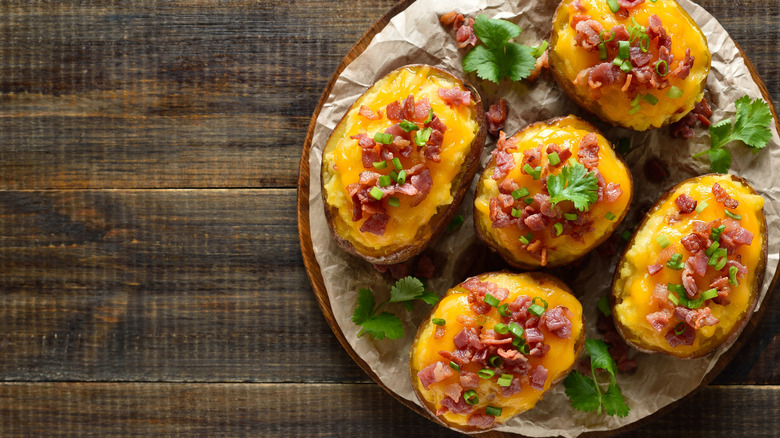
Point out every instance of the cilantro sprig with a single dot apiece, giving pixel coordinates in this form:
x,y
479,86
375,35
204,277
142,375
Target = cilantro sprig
x,y
385,324
574,184
751,127
497,58
586,394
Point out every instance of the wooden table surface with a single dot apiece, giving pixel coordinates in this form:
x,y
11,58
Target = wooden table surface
x,y
151,277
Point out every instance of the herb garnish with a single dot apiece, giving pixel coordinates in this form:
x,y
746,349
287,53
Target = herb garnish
x,y
574,184
497,58
386,324
585,393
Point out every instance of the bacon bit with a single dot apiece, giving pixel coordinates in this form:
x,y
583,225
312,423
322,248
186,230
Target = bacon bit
x,y
694,243
459,407
542,62
394,112
700,113
451,18
434,373
722,286
480,421
684,67
685,338
453,391
612,192
654,269
581,75
696,318
375,224
496,116
508,186
367,113
689,283
627,84
465,35
469,380
659,320
455,96
685,203
440,332
722,196
421,110
588,31
588,152
505,162
543,257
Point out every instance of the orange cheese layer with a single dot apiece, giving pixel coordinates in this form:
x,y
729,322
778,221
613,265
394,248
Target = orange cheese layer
x,y
615,103
343,163
557,361
636,286
566,133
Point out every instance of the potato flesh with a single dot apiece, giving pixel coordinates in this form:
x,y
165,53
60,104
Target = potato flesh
x,y
635,285
557,361
614,103
566,133
345,155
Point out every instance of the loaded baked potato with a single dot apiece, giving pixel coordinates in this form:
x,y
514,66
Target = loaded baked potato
x,y
632,63
396,167
493,346
551,193
689,278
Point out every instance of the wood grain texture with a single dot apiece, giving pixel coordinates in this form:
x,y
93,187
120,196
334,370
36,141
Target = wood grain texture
x,y
294,410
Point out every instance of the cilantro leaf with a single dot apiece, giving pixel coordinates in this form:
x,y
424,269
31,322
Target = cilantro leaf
x,y
613,401
484,62
429,297
720,133
405,289
599,356
752,124
720,160
575,184
494,33
365,307
518,61
582,392
384,324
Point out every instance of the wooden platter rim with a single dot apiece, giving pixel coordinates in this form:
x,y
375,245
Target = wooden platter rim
x,y
315,274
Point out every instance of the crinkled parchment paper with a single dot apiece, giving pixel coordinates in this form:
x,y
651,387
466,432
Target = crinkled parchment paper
x,y
415,36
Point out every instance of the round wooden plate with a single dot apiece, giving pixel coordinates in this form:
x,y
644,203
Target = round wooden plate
x,y
315,275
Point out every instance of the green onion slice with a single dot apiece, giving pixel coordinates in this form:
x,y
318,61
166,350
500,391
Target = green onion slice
x,y
516,212
558,229
649,98
393,201
570,216
539,50
439,321
677,288
626,66
709,294
634,109
501,328
614,7
610,216
397,163
481,320
733,275
537,309
408,126
385,180
379,165
470,397
491,300
716,232
711,249
516,329
401,178
383,138
701,206
486,373
528,201
663,241
495,360
679,328
611,34
660,66
505,380
455,366
493,412
554,159
623,49
422,136
520,193
503,310
734,216
456,222
603,55
673,298
430,116
721,263
674,92
376,193
644,43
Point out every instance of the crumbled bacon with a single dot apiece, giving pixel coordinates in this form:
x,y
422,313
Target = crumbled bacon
x,y
375,224
557,321
698,263
694,242
542,62
451,18
538,377
684,338
689,283
684,67
393,111
696,318
469,380
612,192
722,196
654,269
722,286
505,162
658,320
588,152
440,332
605,74
536,222
563,153
453,391
459,407
700,113
465,35
656,31
496,116
685,203
514,388
434,373
368,113
455,96
480,421
588,31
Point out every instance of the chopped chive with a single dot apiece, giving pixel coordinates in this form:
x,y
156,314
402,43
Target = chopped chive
x,y
516,329
527,238
663,241
679,328
634,109
624,145
674,92
539,50
626,66
537,309
721,263
397,163
505,380
716,232
520,193
558,229
662,65
493,412
501,328
503,310
408,126
376,193
623,49
570,216
379,165
401,178
649,98
636,100
470,397
394,175
711,249
383,138
733,215
673,298
421,137
528,201
495,360
702,205
517,213
438,321
518,343
610,216
626,235
678,288
430,116
617,61
393,201
733,275
554,159
709,294
385,180
537,172
528,169
602,51
644,43
481,320
603,306
455,223
486,373
613,5
491,300
611,35
455,366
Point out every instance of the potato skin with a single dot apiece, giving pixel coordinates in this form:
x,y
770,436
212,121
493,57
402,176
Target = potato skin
x,y
596,103
460,184
629,334
502,248
578,347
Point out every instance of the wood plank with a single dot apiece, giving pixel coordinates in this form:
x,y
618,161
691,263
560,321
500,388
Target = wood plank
x,y
195,94
287,410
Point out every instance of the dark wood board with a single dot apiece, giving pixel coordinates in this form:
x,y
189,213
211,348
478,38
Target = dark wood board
x,y
320,291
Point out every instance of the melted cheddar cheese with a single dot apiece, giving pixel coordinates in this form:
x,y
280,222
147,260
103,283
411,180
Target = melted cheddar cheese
x,y
610,102
567,133
342,157
634,287
558,360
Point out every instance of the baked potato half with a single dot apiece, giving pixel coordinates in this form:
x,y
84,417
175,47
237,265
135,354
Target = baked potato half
x,y
641,65
398,164
551,193
493,347
690,276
